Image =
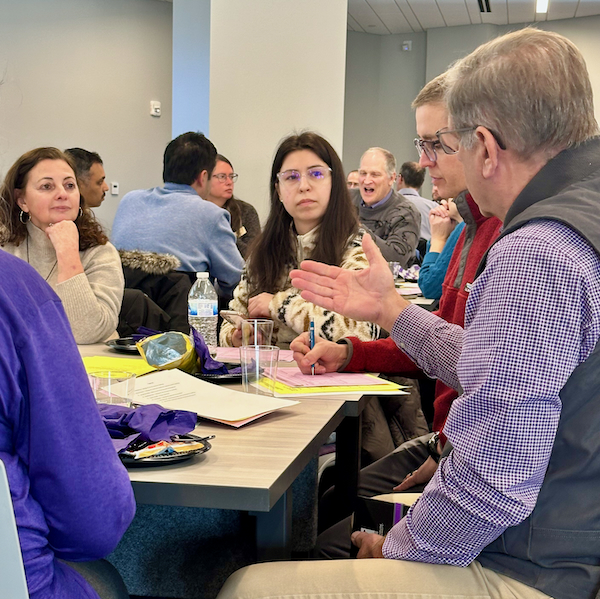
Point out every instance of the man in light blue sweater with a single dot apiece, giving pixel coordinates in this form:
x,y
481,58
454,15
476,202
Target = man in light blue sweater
x,y
175,219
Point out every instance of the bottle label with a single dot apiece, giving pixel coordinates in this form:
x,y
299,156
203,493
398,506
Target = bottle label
x,y
201,308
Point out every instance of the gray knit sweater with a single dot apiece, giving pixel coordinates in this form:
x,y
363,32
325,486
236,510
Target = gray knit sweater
x,y
395,226
92,299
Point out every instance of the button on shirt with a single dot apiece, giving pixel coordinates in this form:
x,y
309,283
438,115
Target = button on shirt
x,y
532,317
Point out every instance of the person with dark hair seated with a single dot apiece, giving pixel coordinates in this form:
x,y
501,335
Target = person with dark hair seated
x,y
410,181
45,222
175,220
244,218
89,169
311,215
71,495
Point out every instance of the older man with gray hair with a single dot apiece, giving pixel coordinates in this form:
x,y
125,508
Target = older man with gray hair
x,y
514,501
392,220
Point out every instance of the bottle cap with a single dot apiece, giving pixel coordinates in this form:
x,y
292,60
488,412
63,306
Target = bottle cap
x,y
202,275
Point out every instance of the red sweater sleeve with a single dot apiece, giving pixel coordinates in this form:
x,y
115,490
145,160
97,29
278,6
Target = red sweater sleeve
x,y
382,355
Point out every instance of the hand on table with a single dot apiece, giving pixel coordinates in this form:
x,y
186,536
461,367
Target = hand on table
x,y
326,355
258,306
370,545
422,475
367,294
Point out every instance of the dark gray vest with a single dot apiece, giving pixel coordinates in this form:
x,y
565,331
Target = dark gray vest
x,y
557,548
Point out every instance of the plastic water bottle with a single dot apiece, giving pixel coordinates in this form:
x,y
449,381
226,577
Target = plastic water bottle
x,y
203,308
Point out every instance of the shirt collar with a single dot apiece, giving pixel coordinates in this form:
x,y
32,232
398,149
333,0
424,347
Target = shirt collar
x,y
180,187
380,203
409,191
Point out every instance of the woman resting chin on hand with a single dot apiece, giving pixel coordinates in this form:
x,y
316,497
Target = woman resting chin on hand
x,y
44,223
312,217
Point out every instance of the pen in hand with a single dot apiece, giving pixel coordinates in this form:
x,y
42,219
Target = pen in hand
x,y
311,333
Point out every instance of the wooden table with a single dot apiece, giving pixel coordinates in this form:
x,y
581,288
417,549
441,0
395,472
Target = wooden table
x,y
252,468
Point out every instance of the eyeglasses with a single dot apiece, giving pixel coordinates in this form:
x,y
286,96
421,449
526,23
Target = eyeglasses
x,y
448,141
223,177
292,177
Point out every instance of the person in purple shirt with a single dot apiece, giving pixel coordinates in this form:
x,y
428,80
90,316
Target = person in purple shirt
x,y
71,495
512,510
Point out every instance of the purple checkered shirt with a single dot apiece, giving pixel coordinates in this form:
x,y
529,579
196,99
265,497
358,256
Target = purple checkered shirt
x,y
532,317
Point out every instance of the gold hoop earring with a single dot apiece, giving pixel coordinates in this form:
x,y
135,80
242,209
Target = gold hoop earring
x,y
24,217
80,212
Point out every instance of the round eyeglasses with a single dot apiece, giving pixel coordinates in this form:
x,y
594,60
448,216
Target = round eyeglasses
x,y
292,177
223,177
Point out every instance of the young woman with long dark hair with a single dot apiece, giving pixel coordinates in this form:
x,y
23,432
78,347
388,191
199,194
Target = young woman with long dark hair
x,y
311,217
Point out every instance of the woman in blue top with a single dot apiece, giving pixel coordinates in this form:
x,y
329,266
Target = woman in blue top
x,y
446,225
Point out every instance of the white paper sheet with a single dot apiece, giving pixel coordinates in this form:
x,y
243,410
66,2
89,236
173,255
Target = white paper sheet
x,y
177,390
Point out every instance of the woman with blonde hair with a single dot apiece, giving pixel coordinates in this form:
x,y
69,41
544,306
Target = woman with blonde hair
x,y
44,222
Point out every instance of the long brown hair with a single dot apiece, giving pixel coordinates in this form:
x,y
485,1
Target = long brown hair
x,y
273,252
12,230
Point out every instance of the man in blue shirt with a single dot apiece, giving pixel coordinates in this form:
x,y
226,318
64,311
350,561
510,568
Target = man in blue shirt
x,y
175,219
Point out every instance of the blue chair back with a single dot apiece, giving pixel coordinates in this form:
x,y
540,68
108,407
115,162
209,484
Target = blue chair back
x,y
12,572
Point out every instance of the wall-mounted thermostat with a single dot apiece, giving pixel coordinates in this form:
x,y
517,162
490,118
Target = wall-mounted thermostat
x,y
155,108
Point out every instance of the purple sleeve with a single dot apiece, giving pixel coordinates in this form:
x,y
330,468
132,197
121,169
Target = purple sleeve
x,y
75,473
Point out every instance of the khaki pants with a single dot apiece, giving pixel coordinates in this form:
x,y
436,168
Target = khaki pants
x,y
371,579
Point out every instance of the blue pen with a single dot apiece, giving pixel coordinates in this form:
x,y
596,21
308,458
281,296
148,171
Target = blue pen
x,y
311,333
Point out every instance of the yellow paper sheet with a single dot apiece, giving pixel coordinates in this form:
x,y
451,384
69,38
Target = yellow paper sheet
x,y
134,365
283,390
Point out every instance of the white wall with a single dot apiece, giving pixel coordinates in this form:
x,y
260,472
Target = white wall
x,y
445,45
275,66
82,73
381,82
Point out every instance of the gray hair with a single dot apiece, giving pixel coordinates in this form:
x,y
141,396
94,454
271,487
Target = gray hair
x,y
390,161
530,88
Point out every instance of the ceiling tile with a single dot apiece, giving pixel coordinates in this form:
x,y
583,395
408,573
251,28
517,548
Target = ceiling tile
x,y
409,15
521,11
499,14
404,16
587,8
389,12
454,12
366,17
562,9
427,13
474,12
353,24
